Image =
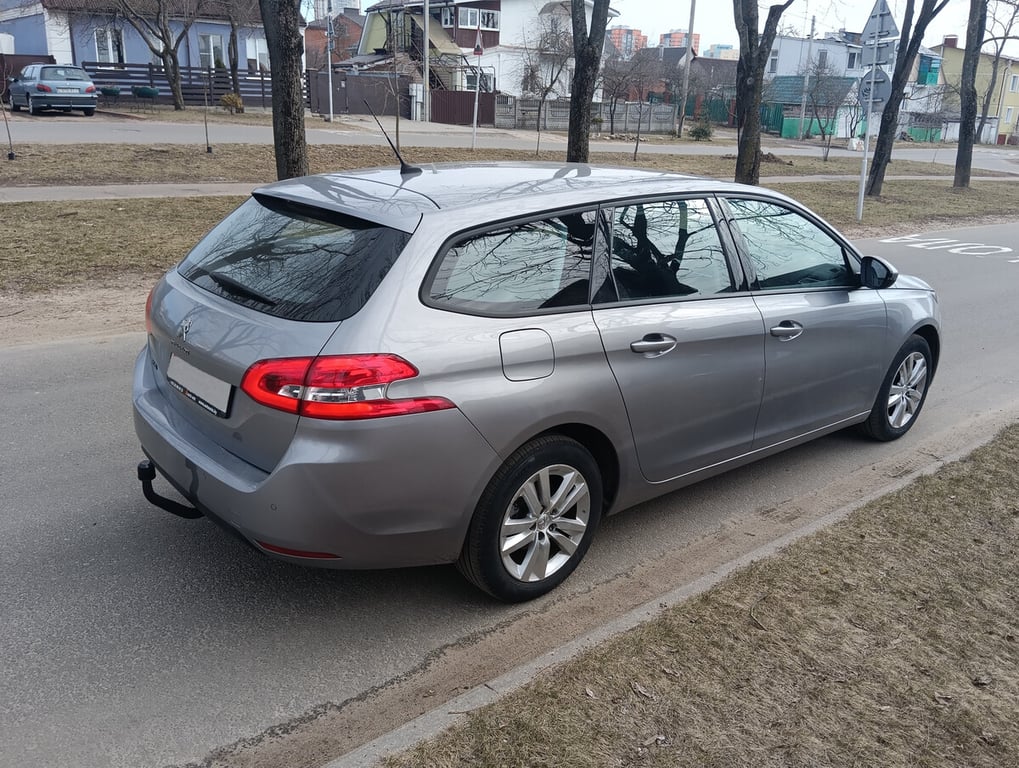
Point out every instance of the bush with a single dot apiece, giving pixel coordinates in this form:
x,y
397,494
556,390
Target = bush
x,y
701,131
232,103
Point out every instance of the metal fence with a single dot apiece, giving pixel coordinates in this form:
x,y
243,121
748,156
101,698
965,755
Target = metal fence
x,y
513,112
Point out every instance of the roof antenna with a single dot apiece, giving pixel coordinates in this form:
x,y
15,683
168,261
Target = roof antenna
x,y
405,169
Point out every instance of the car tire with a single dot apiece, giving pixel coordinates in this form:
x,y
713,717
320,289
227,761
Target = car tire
x,y
88,111
902,392
32,108
14,106
535,520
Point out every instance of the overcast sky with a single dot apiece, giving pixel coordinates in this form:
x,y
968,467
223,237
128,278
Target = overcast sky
x,y
713,19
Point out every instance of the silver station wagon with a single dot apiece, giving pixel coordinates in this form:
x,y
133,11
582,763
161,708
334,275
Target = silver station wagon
x,y
474,363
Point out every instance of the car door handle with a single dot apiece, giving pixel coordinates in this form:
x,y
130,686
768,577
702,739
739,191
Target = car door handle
x,y
653,345
787,330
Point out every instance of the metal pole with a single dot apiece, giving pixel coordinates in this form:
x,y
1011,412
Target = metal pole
x,y
686,73
866,133
806,80
477,90
426,106
329,55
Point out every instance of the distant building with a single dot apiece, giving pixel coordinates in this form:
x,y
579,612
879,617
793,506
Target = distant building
x,y
347,26
677,38
721,51
627,40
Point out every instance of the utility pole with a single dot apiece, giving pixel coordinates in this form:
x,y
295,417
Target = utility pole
x,y
329,54
686,73
426,75
806,80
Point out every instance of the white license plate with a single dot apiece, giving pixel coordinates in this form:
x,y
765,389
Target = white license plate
x,y
210,393
67,90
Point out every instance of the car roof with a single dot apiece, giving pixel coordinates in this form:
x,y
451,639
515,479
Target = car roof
x,y
385,196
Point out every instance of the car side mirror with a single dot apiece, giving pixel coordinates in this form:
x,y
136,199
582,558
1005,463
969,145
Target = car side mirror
x,y
877,273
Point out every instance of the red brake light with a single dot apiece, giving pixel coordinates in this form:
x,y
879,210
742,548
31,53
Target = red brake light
x,y
90,89
336,386
43,88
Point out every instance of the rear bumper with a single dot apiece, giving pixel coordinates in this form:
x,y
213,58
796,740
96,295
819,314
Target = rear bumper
x,y
381,493
64,101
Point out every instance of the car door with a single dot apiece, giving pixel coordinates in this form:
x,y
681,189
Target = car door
x,y
826,337
20,87
686,346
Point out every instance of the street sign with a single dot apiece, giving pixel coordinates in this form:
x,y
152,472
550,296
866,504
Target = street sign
x,y
882,86
880,24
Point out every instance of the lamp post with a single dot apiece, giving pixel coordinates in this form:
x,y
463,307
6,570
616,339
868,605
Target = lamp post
x,y
329,55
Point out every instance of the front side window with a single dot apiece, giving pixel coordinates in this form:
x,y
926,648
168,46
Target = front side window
x,y
788,250
518,268
667,249
294,262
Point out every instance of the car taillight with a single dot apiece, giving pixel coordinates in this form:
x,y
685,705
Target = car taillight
x,y
43,88
336,386
90,89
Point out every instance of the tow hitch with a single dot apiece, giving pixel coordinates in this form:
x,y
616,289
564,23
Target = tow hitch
x,y
147,473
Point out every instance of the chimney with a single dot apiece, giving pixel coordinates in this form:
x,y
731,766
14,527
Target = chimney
x,y
951,41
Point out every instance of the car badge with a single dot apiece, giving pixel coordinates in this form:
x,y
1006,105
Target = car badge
x,y
182,332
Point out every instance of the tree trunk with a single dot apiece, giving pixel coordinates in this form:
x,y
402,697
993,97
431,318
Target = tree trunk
x,y
754,52
172,70
282,20
587,50
971,59
909,45
234,55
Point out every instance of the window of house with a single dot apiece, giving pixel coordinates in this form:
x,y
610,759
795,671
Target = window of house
x,y
1008,115
822,59
210,51
469,18
519,268
788,250
773,62
852,60
1013,84
448,17
489,19
109,46
668,248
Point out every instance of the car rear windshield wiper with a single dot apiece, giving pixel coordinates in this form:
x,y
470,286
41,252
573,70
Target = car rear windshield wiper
x,y
237,288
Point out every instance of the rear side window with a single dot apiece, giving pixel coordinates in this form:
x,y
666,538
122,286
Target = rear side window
x,y
518,268
294,262
667,249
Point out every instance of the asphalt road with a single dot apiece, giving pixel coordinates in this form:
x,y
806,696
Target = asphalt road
x,y
59,129
131,638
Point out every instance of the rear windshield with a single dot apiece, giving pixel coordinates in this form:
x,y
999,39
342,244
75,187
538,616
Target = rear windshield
x,y
294,262
63,73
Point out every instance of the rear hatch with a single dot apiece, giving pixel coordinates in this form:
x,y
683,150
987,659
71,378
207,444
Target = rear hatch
x,y
273,280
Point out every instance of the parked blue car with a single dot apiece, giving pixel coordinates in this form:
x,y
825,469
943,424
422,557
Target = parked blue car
x,y
53,86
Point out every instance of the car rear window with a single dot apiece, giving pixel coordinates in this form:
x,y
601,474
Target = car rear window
x,y
63,73
293,261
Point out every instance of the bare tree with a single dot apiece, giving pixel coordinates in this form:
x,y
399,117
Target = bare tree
x,y
975,28
282,20
615,84
239,13
754,52
906,51
546,59
826,92
163,25
587,52
1003,18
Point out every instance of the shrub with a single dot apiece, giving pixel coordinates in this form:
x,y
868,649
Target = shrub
x,y
701,131
232,103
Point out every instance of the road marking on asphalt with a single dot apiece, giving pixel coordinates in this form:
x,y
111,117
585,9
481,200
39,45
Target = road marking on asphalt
x,y
952,246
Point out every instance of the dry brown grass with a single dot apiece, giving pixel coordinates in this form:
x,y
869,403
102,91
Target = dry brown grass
x,y
890,639
52,165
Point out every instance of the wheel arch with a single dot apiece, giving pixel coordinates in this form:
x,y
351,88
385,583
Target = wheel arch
x,y
930,334
601,448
